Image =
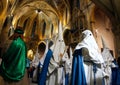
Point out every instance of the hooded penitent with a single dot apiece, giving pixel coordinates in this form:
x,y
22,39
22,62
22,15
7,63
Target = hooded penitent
x,y
89,42
86,61
108,62
14,60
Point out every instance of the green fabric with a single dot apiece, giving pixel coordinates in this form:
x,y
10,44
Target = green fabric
x,y
14,61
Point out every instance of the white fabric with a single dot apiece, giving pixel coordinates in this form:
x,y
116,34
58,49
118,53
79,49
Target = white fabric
x,y
55,73
108,59
68,61
91,54
67,65
58,73
36,61
90,43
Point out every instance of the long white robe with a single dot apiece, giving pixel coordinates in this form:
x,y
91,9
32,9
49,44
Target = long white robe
x,y
108,62
55,71
35,63
91,57
67,65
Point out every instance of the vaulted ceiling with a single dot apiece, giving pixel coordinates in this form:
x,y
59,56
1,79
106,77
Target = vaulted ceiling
x,y
40,18
49,11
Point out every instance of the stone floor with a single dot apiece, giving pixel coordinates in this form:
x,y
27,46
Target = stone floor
x,y
24,81
30,82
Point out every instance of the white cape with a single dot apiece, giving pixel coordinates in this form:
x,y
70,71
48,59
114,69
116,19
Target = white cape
x,y
91,54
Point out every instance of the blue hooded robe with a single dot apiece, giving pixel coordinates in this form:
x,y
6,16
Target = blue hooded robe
x,y
78,73
43,74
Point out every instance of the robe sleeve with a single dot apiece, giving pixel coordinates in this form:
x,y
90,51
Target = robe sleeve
x,y
87,57
52,66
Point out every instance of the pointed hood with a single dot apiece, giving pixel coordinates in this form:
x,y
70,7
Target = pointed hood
x,y
60,33
107,56
59,45
88,41
103,43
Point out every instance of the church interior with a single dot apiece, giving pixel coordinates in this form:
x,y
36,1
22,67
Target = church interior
x,y
41,19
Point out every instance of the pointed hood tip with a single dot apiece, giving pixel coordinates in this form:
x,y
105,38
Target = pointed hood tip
x,y
103,42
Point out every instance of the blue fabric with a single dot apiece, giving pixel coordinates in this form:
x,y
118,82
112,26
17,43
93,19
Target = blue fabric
x,y
66,79
28,62
43,74
94,70
38,70
115,76
103,81
115,62
78,73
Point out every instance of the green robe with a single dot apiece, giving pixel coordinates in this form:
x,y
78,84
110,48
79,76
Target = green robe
x,y
14,61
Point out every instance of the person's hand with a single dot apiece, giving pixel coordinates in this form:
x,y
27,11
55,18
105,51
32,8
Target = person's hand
x,y
61,63
61,55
